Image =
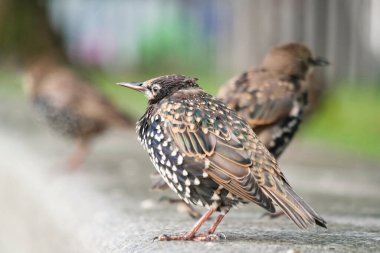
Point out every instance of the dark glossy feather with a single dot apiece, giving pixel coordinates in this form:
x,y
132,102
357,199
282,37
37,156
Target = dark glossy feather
x,y
216,160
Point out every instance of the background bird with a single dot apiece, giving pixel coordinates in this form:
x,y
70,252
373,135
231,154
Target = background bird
x,y
71,105
210,156
273,97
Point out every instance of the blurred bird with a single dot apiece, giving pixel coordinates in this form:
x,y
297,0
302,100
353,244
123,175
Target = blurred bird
x,y
210,156
315,94
70,105
273,97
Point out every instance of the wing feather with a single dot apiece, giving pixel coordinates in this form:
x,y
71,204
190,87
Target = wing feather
x,y
212,137
260,97
233,156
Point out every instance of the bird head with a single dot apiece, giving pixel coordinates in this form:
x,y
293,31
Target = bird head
x,y
292,59
158,88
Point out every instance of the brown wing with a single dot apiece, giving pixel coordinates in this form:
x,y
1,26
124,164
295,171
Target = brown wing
x,y
260,97
204,131
204,128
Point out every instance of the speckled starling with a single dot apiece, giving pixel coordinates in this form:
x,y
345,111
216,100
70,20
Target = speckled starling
x,y
210,156
273,97
70,105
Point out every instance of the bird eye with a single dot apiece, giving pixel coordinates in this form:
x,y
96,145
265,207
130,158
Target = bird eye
x,y
155,88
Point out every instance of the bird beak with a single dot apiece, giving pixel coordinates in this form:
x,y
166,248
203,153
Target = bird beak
x,y
319,61
134,85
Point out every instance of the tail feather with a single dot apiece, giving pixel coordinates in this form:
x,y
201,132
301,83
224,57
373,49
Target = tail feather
x,y
296,208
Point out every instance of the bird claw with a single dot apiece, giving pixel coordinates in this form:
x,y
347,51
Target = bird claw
x,y
221,236
181,237
187,237
209,237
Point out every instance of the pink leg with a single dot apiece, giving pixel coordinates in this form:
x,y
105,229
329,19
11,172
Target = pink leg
x,y
217,222
191,234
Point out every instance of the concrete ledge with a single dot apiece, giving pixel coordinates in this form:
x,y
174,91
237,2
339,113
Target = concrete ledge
x,y
107,206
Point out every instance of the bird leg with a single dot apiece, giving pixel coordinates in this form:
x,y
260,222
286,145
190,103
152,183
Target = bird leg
x,y
80,152
217,222
191,235
182,205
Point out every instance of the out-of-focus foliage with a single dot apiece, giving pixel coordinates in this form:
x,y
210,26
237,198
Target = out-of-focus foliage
x,y
217,36
213,40
161,49
10,84
349,117
25,30
133,100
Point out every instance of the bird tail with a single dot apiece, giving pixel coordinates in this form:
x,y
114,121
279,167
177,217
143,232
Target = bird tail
x,y
296,208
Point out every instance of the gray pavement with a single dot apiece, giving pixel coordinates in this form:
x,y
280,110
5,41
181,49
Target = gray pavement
x,y
107,205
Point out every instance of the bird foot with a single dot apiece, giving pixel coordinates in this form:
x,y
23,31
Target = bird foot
x,y
189,237
272,215
209,237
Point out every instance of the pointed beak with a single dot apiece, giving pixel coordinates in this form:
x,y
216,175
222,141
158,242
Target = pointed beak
x,y
319,61
134,85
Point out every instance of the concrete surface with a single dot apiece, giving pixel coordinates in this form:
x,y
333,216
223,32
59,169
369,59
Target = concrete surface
x,y
107,205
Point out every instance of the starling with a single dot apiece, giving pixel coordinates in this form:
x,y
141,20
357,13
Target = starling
x,y
210,156
273,97
70,105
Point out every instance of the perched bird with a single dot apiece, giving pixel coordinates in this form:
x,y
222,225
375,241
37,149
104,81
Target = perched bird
x,y
70,105
210,156
273,97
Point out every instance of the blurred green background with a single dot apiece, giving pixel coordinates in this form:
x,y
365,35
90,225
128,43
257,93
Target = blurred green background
x,y
111,41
